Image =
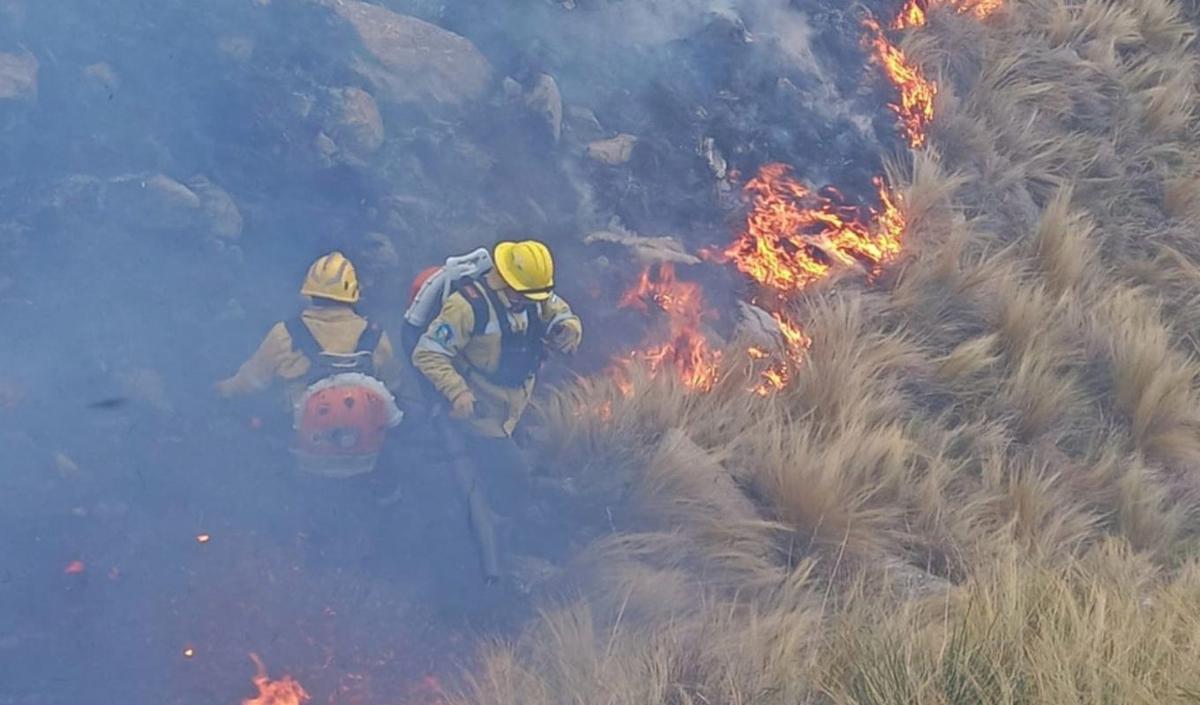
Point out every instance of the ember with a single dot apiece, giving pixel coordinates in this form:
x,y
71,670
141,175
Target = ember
x,y
685,349
284,691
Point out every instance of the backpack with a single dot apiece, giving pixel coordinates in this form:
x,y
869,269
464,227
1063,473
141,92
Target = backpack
x,y
435,284
343,416
323,363
522,353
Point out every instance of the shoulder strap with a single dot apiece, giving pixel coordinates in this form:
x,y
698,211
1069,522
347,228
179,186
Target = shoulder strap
x,y
369,340
303,340
470,290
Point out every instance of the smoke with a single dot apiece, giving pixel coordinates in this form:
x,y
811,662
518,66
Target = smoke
x,y
171,168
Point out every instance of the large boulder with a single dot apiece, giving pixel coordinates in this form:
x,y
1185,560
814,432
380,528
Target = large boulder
x,y
153,201
354,126
18,76
415,61
158,202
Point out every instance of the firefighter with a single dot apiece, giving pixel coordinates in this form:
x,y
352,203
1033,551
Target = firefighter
x,y
481,352
338,370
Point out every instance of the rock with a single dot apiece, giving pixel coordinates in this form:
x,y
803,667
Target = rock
x,y
158,202
356,125
613,152
224,218
18,76
757,327
326,147
511,88
415,61
712,155
152,201
545,99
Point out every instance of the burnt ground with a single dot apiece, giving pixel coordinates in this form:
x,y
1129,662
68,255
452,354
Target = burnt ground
x,y
361,603
110,290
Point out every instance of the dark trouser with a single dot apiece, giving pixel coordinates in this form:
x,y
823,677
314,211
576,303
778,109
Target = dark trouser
x,y
478,462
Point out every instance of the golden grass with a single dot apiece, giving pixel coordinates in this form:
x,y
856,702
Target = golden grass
x,y
982,485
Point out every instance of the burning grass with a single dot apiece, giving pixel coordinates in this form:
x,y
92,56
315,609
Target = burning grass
x,y
979,485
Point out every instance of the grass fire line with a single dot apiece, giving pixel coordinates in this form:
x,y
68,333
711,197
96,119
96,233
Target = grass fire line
x,y
793,239
979,486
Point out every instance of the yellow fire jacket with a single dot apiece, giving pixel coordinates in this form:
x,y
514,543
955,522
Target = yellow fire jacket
x,y
455,360
336,328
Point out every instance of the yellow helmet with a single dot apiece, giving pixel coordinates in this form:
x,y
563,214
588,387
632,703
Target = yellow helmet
x,y
332,277
527,267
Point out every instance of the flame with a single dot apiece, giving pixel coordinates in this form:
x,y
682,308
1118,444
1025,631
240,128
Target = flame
x,y
917,92
913,14
780,369
794,237
685,349
284,691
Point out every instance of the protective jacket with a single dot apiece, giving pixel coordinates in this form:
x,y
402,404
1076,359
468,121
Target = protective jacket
x,y
477,344
337,329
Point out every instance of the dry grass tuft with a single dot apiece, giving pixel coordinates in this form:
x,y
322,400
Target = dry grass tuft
x,y
981,485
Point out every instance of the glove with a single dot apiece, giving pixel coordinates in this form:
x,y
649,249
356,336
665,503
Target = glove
x,y
463,406
566,336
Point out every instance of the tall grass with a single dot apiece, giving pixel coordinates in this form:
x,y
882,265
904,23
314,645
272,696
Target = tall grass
x,y
982,485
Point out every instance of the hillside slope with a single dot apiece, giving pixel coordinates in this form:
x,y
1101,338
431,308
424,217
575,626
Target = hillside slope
x,y
981,485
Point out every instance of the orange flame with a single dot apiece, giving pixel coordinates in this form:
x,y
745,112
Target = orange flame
x,y
794,238
685,349
913,14
917,92
284,691
779,372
